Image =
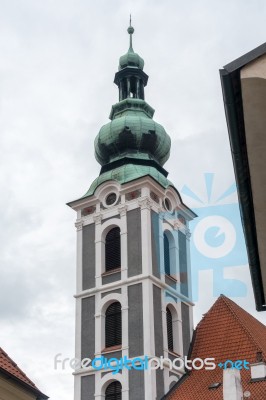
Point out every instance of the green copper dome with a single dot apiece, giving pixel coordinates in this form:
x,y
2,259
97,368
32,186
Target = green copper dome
x,y
132,133
131,59
132,144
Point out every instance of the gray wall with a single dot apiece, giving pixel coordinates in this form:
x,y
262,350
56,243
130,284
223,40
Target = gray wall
x,y
88,327
115,354
155,244
158,327
185,327
109,278
134,242
170,282
88,257
135,320
87,387
159,383
136,385
182,242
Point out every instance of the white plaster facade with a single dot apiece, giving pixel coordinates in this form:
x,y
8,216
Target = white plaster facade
x,y
105,217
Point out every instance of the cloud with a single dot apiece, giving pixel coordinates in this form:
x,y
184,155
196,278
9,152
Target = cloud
x,y
58,61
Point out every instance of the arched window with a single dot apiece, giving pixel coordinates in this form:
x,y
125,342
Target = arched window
x,y
114,391
112,249
166,247
113,325
169,323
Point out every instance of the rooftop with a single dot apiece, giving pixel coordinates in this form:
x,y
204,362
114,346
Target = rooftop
x,y
226,332
10,369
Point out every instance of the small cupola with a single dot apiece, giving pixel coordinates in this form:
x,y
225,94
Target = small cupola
x,y
131,59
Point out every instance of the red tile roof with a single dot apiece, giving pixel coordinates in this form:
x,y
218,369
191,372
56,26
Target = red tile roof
x,y
226,332
7,365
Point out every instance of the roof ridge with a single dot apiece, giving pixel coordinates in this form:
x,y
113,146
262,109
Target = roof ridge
x,y
227,302
207,313
17,367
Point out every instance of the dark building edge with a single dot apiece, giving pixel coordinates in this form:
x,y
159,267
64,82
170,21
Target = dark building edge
x,y
232,96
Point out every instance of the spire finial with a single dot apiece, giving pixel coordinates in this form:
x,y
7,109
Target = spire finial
x,y
130,30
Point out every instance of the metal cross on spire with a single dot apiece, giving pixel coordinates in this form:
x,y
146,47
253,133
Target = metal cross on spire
x,y
130,31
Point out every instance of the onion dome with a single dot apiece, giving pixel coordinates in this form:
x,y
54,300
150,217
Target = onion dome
x,y
132,133
131,59
132,144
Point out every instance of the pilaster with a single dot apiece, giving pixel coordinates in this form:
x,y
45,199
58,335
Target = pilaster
x,y
145,206
99,243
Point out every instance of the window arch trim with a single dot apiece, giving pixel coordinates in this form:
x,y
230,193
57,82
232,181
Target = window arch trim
x,y
109,378
115,391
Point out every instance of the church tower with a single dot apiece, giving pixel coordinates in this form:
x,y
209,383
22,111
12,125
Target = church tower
x,y
133,293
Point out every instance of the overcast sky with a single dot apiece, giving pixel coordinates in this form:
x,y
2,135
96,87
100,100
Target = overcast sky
x,y
58,60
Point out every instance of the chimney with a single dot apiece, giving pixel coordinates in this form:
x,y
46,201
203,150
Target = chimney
x,y
232,388
258,369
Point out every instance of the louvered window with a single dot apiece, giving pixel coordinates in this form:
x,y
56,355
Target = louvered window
x,y
112,249
166,255
169,322
114,391
113,325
